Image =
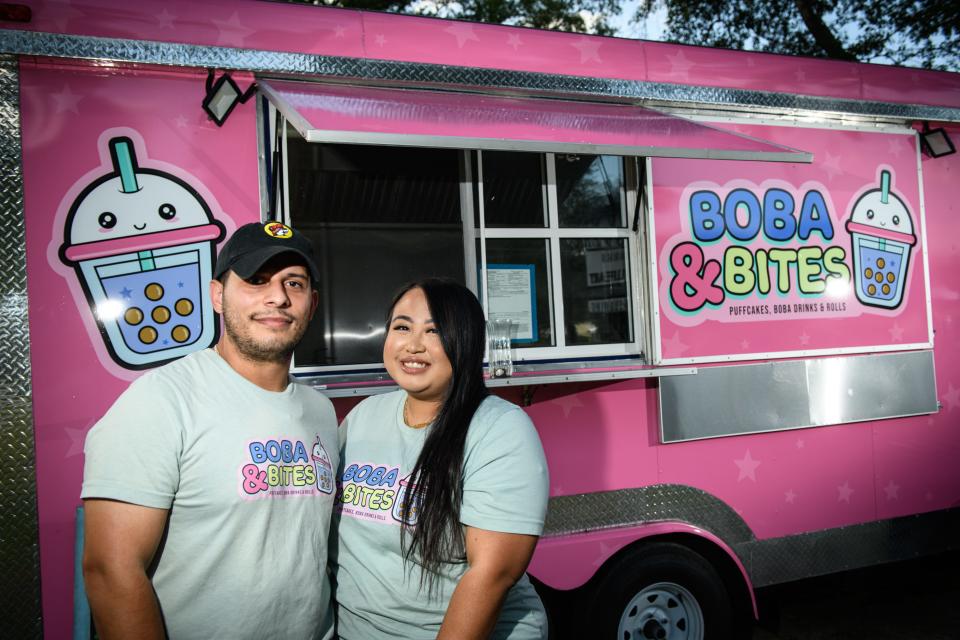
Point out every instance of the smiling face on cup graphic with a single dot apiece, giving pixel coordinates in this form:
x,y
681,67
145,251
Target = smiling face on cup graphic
x,y
881,236
141,242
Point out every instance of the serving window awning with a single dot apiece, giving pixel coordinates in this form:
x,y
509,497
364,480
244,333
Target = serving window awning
x,y
407,117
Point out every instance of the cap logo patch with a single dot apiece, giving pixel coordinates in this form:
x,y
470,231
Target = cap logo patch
x,y
278,230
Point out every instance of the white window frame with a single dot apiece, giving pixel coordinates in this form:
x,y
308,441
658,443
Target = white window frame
x,y
553,233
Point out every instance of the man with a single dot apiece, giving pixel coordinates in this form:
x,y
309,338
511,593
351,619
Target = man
x,y
208,486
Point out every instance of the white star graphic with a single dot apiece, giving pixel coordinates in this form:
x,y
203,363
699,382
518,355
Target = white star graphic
x,y
165,19
231,31
181,121
790,496
589,49
744,344
680,66
567,404
804,338
952,396
800,443
463,33
77,438
748,467
831,165
66,100
844,492
800,75
894,147
380,39
62,13
891,490
674,345
896,332
339,31
513,40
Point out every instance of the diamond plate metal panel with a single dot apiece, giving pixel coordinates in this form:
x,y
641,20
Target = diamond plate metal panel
x,y
461,78
626,507
821,552
19,555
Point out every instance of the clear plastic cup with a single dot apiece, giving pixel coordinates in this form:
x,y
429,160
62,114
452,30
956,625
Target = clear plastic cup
x,y
499,356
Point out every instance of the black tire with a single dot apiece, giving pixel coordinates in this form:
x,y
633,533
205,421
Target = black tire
x,y
683,597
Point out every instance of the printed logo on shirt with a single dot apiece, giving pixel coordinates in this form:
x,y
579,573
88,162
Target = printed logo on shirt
x,y
368,491
281,468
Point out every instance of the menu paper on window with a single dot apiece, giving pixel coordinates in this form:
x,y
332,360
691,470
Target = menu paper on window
x,y
511,295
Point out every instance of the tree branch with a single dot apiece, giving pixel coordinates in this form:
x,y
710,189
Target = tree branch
x,y
821,32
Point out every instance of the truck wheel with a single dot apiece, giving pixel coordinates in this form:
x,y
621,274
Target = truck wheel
x,y
663,591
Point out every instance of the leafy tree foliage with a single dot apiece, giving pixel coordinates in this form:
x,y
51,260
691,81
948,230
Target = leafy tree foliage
x,y
922,33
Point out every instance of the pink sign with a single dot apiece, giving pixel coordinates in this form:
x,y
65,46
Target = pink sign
x,y
756,259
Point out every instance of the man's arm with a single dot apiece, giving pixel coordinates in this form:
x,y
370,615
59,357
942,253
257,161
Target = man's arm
x,y
120,540
496,561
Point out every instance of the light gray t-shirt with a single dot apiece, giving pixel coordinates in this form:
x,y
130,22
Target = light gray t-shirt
x,y
248,477
505,488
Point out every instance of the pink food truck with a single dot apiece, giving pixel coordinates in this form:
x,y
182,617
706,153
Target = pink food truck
x,y
725,283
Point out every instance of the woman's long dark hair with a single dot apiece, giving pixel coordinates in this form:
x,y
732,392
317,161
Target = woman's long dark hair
x,y
435,485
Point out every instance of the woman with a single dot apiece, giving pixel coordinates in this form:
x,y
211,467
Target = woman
x,y
443,488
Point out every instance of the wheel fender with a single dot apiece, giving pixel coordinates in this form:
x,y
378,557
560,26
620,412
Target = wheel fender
x,y
566,562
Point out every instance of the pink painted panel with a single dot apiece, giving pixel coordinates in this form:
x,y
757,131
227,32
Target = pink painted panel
x,y
496,47
69,115
248,24
432,114
916,466
911,86
750,70
597,437
782,483
817,257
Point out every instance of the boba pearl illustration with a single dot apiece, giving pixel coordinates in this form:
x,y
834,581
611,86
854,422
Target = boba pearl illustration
x,y
141,242
881,232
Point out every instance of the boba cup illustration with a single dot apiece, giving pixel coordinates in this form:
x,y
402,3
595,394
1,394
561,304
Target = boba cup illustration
x,y
321,463
882,236
398,511
141,242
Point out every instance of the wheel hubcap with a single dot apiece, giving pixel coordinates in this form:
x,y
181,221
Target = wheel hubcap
x,y
662,611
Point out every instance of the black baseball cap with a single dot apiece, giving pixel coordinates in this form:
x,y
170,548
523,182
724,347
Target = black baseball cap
x,y
253,244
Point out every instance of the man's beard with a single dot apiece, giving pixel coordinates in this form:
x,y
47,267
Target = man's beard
x,y
277,349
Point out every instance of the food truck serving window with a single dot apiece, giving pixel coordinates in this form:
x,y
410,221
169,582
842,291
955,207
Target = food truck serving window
x,y
530,203
543,240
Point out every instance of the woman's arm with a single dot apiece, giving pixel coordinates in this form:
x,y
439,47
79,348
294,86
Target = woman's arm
x,y
495,562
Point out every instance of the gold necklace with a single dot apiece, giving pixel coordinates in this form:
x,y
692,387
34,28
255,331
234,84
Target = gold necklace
x,y
406,419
